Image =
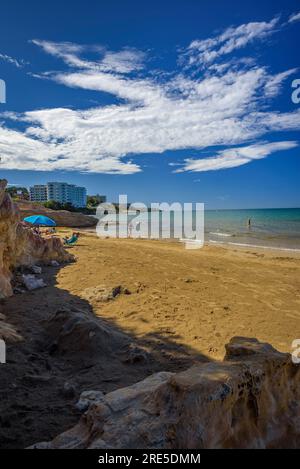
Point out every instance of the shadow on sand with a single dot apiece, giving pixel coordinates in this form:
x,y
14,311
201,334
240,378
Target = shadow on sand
x,y
65,350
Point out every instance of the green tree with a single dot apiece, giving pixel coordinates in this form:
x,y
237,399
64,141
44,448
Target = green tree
x,y
94,200
54,205
18,192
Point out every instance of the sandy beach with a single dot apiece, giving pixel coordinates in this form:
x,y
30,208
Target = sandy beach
x,y
198,299
126,309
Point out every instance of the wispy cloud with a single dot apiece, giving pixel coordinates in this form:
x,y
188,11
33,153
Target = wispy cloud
x,y
16,62
294,17
233,38
123,61
276,81
233,157
230,106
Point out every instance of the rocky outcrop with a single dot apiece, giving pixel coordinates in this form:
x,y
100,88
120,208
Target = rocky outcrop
x,y
250,400
19,246
101,293
7,331
61,217
73,332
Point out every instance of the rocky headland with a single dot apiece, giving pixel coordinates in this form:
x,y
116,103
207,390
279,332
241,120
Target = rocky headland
x,y
20,247
61,217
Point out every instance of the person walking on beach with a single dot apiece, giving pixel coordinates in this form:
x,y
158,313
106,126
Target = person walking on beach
x,y
249,223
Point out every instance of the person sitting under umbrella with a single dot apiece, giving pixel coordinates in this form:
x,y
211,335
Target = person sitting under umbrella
x,y
39,220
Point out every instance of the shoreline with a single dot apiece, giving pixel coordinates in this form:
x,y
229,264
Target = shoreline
x,y
265,229
294,252
253,246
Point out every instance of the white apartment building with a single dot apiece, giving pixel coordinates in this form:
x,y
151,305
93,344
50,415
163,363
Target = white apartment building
x,y
38,193
59,192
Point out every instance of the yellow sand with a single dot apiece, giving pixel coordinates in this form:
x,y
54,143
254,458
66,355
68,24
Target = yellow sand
x,y
199,298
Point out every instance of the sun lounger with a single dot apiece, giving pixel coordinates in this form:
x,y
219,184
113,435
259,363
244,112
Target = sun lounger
x,y
70,242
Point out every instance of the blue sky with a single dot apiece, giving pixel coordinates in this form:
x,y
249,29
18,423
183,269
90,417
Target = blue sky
x,y
164,101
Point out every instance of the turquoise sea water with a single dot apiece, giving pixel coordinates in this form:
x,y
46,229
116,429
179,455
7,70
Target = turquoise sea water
x,y
269,227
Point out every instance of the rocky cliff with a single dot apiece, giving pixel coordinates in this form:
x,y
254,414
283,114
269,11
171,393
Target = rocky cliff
x,y
250,400
19,246
61,217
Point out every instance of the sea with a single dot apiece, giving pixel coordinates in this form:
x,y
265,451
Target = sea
x,y
269,228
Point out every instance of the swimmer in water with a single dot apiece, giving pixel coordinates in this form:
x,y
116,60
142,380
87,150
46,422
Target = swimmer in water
x,y
249,223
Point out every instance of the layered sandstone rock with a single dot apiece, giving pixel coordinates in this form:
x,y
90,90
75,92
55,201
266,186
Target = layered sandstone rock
x,y
7,331
250,400
19,246
61,217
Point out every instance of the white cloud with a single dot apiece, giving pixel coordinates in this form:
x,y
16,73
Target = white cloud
x,y
124,61
233,157
150,114
133,90
275,82
7,58
294,17
233,38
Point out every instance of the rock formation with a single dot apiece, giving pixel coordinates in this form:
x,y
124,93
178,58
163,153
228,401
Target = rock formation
x,y
73,331
7,331
101,293
250,400
19,246
62,217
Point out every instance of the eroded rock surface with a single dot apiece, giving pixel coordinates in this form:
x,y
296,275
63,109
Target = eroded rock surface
x,y
250,400
7,331
62,217
102,293
74,331
19,246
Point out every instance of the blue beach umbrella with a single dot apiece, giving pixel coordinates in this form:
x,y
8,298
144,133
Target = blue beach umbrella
x,y
40,220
